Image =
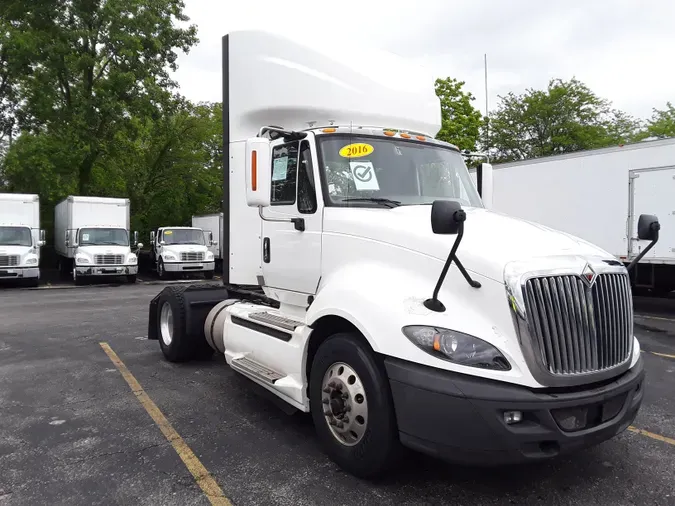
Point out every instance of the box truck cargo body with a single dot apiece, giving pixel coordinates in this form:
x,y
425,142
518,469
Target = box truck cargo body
x,y
366,282
92,237
598,195
211,224
20,237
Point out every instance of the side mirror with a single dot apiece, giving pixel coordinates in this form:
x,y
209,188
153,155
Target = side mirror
x,y
135,237
67,237
139,245
258,172
648,227
446,217
152,236
210,238
162,243
43,239
484,183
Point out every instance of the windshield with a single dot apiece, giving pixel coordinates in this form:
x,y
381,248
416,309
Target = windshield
x,y
103,237
381,170
15,236
183,236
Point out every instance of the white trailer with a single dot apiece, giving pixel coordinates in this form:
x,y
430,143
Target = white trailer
x,y
367,283
212,225
598,195
20,237
91,238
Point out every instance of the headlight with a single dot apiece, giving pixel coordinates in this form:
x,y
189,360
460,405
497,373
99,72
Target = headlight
x,y
31,261
209,255
132,259
169,256
81,260
456,347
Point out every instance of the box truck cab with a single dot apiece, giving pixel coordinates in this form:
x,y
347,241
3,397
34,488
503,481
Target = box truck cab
x,y
20,238
367,282
92,238
182,250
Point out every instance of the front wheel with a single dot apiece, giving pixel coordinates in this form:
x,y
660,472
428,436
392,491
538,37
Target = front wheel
x,y
208,274
161,273
131,278
352,408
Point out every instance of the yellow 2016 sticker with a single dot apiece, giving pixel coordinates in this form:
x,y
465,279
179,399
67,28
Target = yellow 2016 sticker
x,y
356,150
168,232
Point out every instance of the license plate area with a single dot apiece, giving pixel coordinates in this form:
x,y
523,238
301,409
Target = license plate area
x,y
588,416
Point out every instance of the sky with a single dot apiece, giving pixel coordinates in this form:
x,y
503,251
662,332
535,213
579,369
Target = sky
x,y
623,50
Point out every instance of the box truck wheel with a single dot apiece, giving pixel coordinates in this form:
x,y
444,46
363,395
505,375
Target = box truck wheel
x,y
131,278
208,274
352,408
161,273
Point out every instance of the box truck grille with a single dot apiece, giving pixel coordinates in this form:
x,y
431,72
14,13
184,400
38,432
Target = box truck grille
x,y
580,329
9,260
192,256
108,259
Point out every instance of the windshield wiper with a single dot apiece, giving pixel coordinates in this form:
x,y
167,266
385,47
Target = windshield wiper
x,y
378,200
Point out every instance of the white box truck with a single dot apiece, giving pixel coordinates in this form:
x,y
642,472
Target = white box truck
x,y
366,282
20,238
598,195
182,250
91,238
212,225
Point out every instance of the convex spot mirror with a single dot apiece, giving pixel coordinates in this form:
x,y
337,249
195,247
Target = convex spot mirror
x,y
648,227
446,217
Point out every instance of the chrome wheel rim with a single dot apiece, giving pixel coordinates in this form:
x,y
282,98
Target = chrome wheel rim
x,y
166,324
344,404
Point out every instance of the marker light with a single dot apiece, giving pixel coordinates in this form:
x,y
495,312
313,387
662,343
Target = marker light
x,y
456,347
328,130
406,136
254,170
420,138
389,133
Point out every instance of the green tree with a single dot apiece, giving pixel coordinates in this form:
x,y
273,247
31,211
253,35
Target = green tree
x,y
662,123
95,64
564,118
461,121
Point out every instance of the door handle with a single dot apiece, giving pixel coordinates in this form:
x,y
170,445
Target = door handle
x,y
266,250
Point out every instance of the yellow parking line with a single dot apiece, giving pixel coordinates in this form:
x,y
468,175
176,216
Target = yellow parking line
x,y
658,437
203,478
662,354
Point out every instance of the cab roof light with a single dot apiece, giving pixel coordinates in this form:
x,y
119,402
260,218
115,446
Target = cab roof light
x,y
405,136
329,130
390,133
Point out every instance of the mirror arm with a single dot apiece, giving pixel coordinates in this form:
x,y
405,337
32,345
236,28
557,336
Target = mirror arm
x,y
632,265
472,282
298,222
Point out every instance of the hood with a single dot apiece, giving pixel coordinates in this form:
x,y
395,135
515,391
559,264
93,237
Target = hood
x,y
106,249
185,248
23,252
491,240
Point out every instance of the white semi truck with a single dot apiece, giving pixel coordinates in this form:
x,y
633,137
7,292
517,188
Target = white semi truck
x,y
367,283
182,250
212,225
20,238
602,192
91,238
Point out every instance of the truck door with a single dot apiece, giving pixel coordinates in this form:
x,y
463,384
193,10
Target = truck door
x,y
652,191
292,256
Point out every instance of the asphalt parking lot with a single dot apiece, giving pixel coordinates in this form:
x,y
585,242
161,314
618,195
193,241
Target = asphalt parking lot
x,y
72,431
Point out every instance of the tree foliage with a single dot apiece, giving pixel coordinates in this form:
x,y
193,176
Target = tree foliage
x,y
461,121
565,117
662,123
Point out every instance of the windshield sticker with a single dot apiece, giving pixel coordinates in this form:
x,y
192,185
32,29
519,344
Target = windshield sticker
x,y
168,232
364,175
356,150
280,169
85,237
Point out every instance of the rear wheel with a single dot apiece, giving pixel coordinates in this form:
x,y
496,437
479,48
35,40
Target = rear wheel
x,y
351,406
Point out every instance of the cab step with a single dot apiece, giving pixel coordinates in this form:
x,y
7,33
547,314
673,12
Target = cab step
x,y
252,368
275,320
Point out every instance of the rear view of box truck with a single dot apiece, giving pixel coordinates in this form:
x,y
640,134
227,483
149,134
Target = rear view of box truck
x,y
20,238
598,196
92,238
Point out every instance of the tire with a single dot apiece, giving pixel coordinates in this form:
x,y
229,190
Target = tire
x,y
131,278
31,282
161,273
171,330
377,448
208,274
77,280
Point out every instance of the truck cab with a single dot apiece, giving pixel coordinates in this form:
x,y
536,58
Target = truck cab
x,y
367,281
20,238
182,250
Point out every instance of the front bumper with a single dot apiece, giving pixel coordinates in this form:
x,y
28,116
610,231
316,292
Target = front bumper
x,y
106,270
460,418
189,266
19,272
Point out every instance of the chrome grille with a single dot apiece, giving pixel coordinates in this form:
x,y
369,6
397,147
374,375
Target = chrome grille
x,y
192,256
9,260
580,329
108,259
